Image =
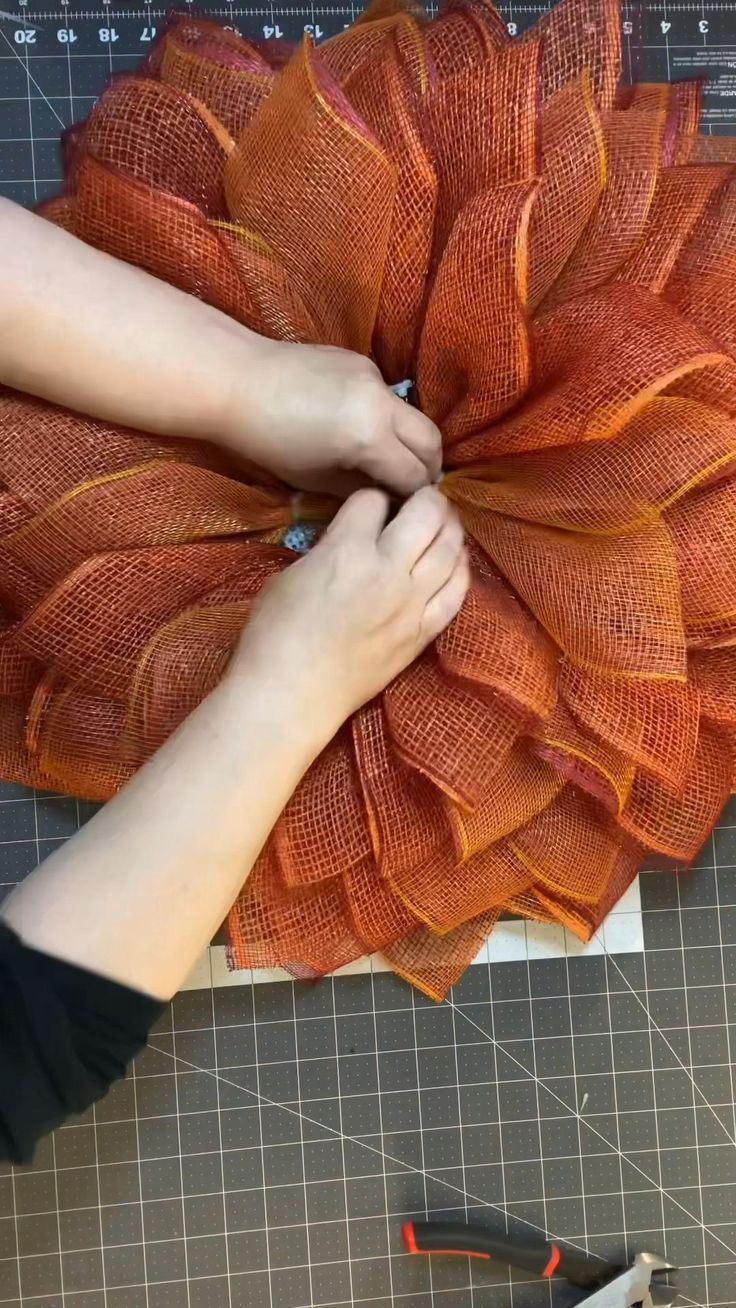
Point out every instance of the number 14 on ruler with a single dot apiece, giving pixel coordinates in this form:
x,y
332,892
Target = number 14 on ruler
x,y
275,34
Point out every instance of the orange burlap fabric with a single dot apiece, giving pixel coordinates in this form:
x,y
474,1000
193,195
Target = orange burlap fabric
x,y
553,260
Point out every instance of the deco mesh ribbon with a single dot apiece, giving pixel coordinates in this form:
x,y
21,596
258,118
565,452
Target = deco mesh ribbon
x,y
552,258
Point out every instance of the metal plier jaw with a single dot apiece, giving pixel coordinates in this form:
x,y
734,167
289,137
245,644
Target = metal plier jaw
x,y
639,1284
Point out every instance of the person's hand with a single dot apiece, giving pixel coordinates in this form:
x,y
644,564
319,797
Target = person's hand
x,y
319,418
334,629
323,419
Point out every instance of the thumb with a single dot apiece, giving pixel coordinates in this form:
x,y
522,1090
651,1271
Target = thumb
x,y
420,436
389,462
363,516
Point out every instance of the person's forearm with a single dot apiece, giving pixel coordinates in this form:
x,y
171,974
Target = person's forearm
x,y
84,330
140,891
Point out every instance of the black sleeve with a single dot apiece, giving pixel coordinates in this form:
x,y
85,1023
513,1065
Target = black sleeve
x,y
65,1036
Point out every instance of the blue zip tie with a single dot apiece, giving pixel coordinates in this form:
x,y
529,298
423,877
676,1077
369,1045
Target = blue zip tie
x,y
300,537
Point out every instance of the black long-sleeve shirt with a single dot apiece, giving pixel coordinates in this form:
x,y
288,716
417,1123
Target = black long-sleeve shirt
x,y
65,1036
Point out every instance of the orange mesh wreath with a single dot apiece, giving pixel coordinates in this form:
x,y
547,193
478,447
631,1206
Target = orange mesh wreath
x,y
553,260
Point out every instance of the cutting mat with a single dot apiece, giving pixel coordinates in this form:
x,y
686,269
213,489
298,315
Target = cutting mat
x,y
54,62
267,1147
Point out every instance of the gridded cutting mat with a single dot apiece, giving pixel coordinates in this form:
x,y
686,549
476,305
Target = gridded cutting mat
x,y
54,62
267,1147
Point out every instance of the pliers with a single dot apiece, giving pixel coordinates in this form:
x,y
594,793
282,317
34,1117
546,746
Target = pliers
x,y
611,1284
